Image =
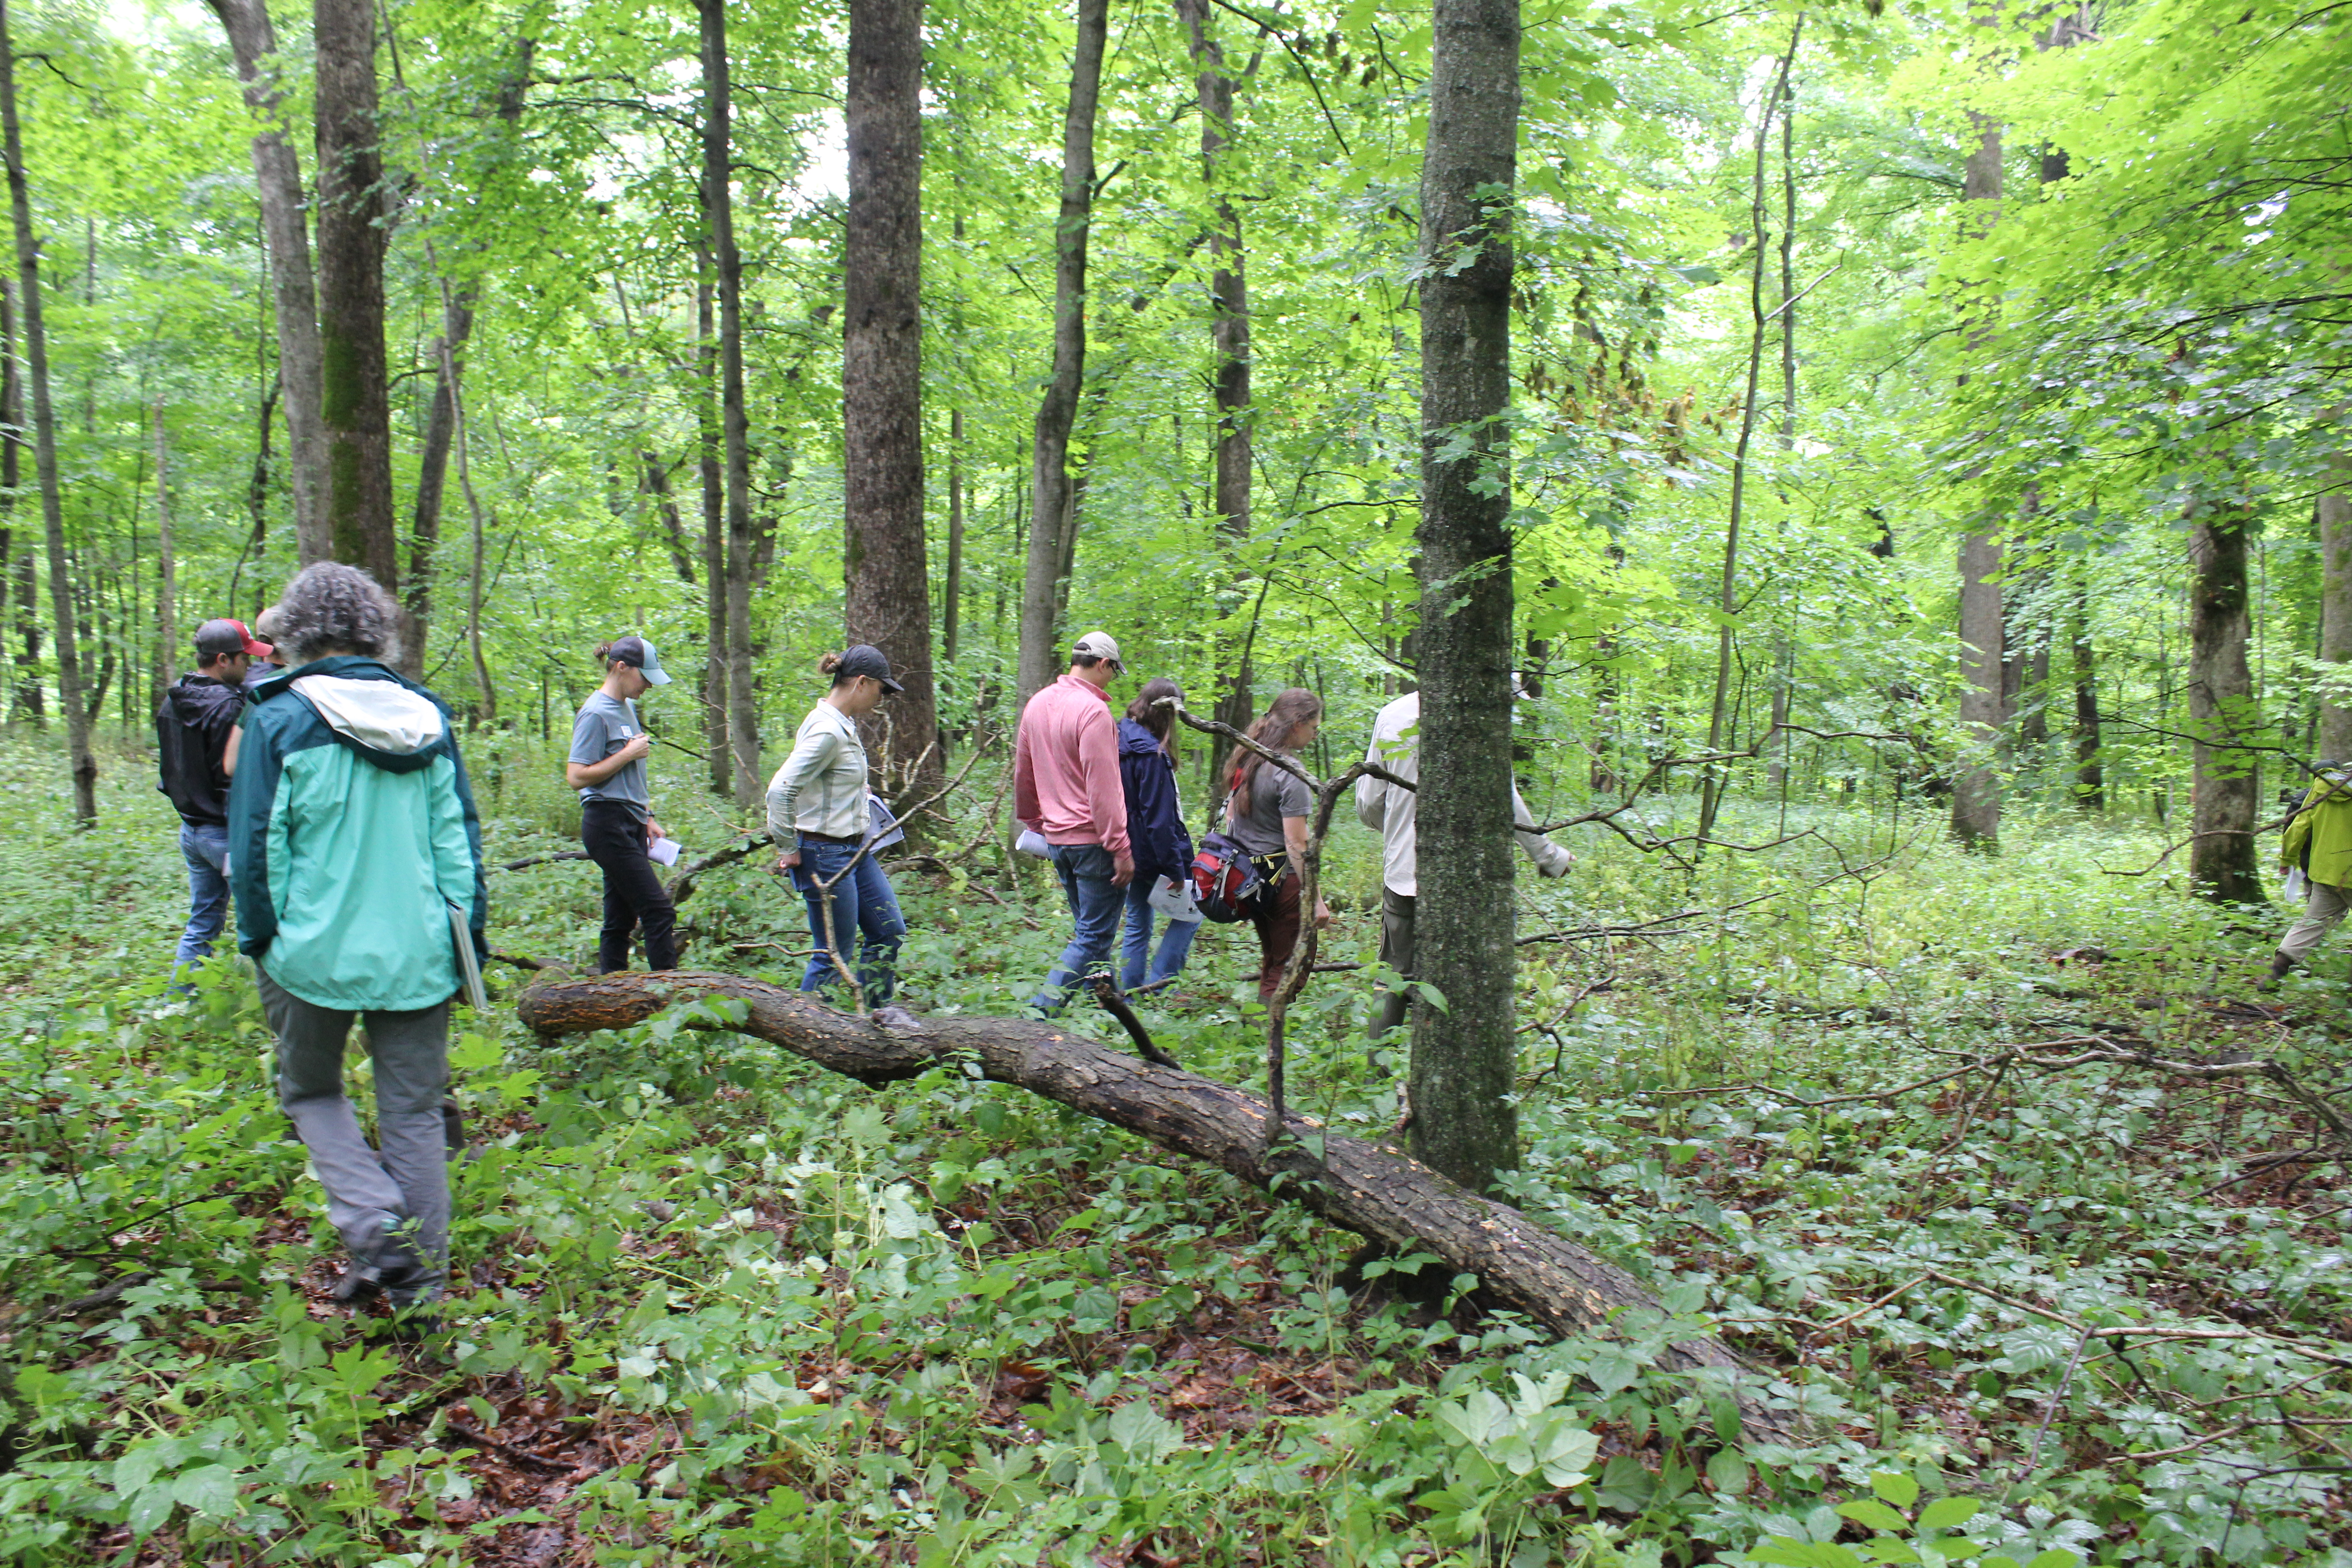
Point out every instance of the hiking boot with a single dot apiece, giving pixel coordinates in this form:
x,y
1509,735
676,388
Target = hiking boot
x,y
395,1269
2280,964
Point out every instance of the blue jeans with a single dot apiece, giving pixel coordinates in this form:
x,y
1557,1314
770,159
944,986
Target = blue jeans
x,y
1175,943
205,849
864,911
1086,870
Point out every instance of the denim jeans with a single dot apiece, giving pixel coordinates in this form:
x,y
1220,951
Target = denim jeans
x,y
1086,870
1175,943
205,849
864,911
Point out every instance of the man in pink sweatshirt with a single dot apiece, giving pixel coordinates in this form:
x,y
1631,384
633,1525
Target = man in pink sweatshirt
x,y
1066,788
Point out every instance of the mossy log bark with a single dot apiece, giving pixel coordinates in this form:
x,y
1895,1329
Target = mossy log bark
x,y
1361,1186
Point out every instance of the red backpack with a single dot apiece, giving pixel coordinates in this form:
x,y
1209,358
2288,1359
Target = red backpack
x,y
1224,881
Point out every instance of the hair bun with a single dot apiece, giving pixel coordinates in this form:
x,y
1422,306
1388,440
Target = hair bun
x,y
604,651
828,664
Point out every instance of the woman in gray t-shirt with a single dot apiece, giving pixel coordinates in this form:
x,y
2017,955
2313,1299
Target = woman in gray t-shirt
x,y
1266,814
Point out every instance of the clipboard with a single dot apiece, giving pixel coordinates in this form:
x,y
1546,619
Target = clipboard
x,y
882,828
470,970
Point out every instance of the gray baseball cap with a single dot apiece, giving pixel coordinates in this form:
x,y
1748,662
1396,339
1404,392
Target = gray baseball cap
x,y
639,652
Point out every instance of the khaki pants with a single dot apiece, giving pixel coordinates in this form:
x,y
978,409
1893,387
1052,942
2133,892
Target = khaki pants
x,y
2326,907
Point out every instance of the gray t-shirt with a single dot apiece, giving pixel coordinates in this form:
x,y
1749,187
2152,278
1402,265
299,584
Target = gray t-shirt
x,y
604,727
1274,794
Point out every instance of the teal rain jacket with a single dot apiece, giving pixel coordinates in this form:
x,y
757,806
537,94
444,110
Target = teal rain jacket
x,y
352,832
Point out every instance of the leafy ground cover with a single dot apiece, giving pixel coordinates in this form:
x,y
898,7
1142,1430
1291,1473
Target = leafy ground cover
x,y
716,1306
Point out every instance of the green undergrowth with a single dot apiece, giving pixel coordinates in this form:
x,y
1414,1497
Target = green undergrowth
x,y
717,1305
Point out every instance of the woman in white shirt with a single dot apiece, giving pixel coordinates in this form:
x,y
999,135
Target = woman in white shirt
x,y
817,810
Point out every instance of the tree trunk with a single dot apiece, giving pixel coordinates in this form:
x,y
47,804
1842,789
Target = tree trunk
x,y
278,172
2333,510
655,482
1718,732
1464,1059
1361,1186
2221,711
2090,771
1975,787
29,702
45,442
708,463
952,592
167,587
458,299
1053,513
355,406
887,574
719,216
1229,336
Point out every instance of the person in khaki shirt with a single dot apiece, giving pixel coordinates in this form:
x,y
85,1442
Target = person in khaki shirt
x,y
818,813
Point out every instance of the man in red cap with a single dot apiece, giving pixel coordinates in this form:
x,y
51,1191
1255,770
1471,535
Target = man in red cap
x,y
193,731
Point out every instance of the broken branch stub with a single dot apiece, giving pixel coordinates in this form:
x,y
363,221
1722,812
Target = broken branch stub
x,y
1359,1185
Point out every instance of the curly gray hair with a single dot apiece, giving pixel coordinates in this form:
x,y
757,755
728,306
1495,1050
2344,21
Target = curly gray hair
x,y
330,607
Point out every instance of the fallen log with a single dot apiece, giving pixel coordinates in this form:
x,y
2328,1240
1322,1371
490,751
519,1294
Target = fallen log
x,y
1359,1185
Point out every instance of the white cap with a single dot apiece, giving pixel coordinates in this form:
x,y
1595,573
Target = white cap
x,y
1097,645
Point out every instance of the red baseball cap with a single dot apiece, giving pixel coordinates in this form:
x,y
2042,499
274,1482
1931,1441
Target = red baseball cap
x,y
214,638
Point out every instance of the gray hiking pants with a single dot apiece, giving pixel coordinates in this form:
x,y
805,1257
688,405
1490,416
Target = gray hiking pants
x,y
369,1197
2320,913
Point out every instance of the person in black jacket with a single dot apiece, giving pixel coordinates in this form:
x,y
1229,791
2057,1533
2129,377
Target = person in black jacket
x,y
194,727
1155,830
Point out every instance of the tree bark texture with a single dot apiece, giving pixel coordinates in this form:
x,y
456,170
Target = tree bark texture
x,y
278,172
1463,1058
1053,511
1362,1186
1229,338
44,441
1976,787
886,567
2225,781
2334,515
709,465
719,217
2090,768
355,405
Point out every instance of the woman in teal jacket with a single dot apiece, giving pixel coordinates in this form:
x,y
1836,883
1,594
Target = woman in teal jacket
x,y
352,836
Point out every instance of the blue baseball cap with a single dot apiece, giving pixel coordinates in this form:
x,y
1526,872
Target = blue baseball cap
x,y
638,653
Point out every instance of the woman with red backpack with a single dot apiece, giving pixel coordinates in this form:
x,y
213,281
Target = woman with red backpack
x,y
1266,814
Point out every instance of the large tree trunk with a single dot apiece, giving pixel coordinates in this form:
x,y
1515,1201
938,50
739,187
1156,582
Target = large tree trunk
x,y
44,441
167,586
719,216
1229,336
1464,1059
710,466
355,405
1053,511
1975,787
886,572
278,172
2334,514
2225,781
1361,1186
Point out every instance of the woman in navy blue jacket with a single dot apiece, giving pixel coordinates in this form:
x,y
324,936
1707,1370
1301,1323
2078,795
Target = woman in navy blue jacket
x,y
1155,828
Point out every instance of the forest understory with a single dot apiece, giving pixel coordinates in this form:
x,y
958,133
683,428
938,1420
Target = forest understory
x,y
717,1305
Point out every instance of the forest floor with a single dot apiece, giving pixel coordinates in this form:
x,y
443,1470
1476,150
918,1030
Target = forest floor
x,y
714,1305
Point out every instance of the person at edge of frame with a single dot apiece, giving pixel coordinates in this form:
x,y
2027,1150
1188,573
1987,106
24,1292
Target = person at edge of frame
x,y
2318,843
607,766
817,805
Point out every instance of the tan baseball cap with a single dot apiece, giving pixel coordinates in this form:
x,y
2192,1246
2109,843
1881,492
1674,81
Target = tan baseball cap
x,y
1098,644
